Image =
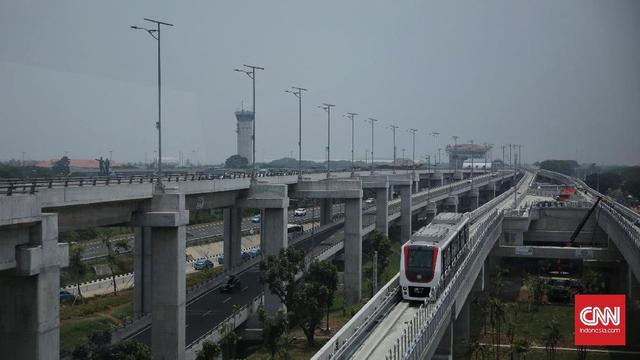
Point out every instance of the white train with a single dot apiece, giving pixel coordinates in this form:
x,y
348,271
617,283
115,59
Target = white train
x,y
430,252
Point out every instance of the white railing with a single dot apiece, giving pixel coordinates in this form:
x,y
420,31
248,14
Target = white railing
x,y
216,334
335,348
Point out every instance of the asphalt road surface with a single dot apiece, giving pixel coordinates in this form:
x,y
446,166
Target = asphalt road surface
x,y
96,249
211,308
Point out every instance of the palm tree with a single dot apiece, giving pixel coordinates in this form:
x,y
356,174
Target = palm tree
x,y
551,338
496,315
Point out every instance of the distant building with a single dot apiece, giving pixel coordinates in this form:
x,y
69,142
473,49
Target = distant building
x,y
245,133
461,152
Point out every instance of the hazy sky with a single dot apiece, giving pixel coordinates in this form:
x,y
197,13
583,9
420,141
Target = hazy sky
x,y
562,78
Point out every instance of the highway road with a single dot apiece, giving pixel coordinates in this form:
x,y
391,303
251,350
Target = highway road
x,y
95,248
208,310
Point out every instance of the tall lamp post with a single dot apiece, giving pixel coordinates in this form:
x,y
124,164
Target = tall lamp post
x,y
455,153
435,135
327,107
297,91
351,116
155,33
413,144
251,73
472,165
393,131
371,121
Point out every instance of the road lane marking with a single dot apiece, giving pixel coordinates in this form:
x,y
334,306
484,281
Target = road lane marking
x,y
245,288
206,313
225,300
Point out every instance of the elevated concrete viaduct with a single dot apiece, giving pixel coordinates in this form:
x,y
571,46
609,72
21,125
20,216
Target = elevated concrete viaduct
x,y
30,256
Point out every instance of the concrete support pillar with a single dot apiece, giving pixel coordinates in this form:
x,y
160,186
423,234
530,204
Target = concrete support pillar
x,y
405,213
391,191
382,211
633,310
326,211
232,238
29,299
353,250
513,238
431,211
445,346
142,270
168,219
451,204
273,239
473,199
462,332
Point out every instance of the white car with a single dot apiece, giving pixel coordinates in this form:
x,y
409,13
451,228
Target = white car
x,y
369,201
300,212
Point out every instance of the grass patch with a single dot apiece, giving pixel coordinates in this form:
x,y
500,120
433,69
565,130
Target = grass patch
x,y
96,314
198,277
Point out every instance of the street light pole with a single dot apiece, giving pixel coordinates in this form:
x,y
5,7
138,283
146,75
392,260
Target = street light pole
x,y
435,134
455,152
327,107
472,165
393,130
252,74
155,33
352,116
298,93
371,121
413,156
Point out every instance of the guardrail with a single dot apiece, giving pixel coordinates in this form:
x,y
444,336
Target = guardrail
x,y
335,348
217,333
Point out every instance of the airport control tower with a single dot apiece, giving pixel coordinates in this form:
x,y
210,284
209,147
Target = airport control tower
x,y
245,132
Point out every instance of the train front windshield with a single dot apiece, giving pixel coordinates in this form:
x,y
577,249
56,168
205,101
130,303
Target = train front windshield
x,y
419,263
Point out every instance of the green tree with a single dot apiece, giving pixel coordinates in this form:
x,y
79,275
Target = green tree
x,y
567,167
209,351
61,167
279,272
274,328
77,268
382,245
551,337
631,180
236,162
99,347
603,182
308,307
593,282
537,289
325,274
496,316
114,249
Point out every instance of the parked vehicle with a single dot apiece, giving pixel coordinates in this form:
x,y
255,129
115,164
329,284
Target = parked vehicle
x,y
369,201
255,219
202,264
66,297
221,259
232,284
300,212
294,229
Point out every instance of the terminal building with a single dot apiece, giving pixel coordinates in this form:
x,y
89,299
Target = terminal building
x,y
244,132
460,152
